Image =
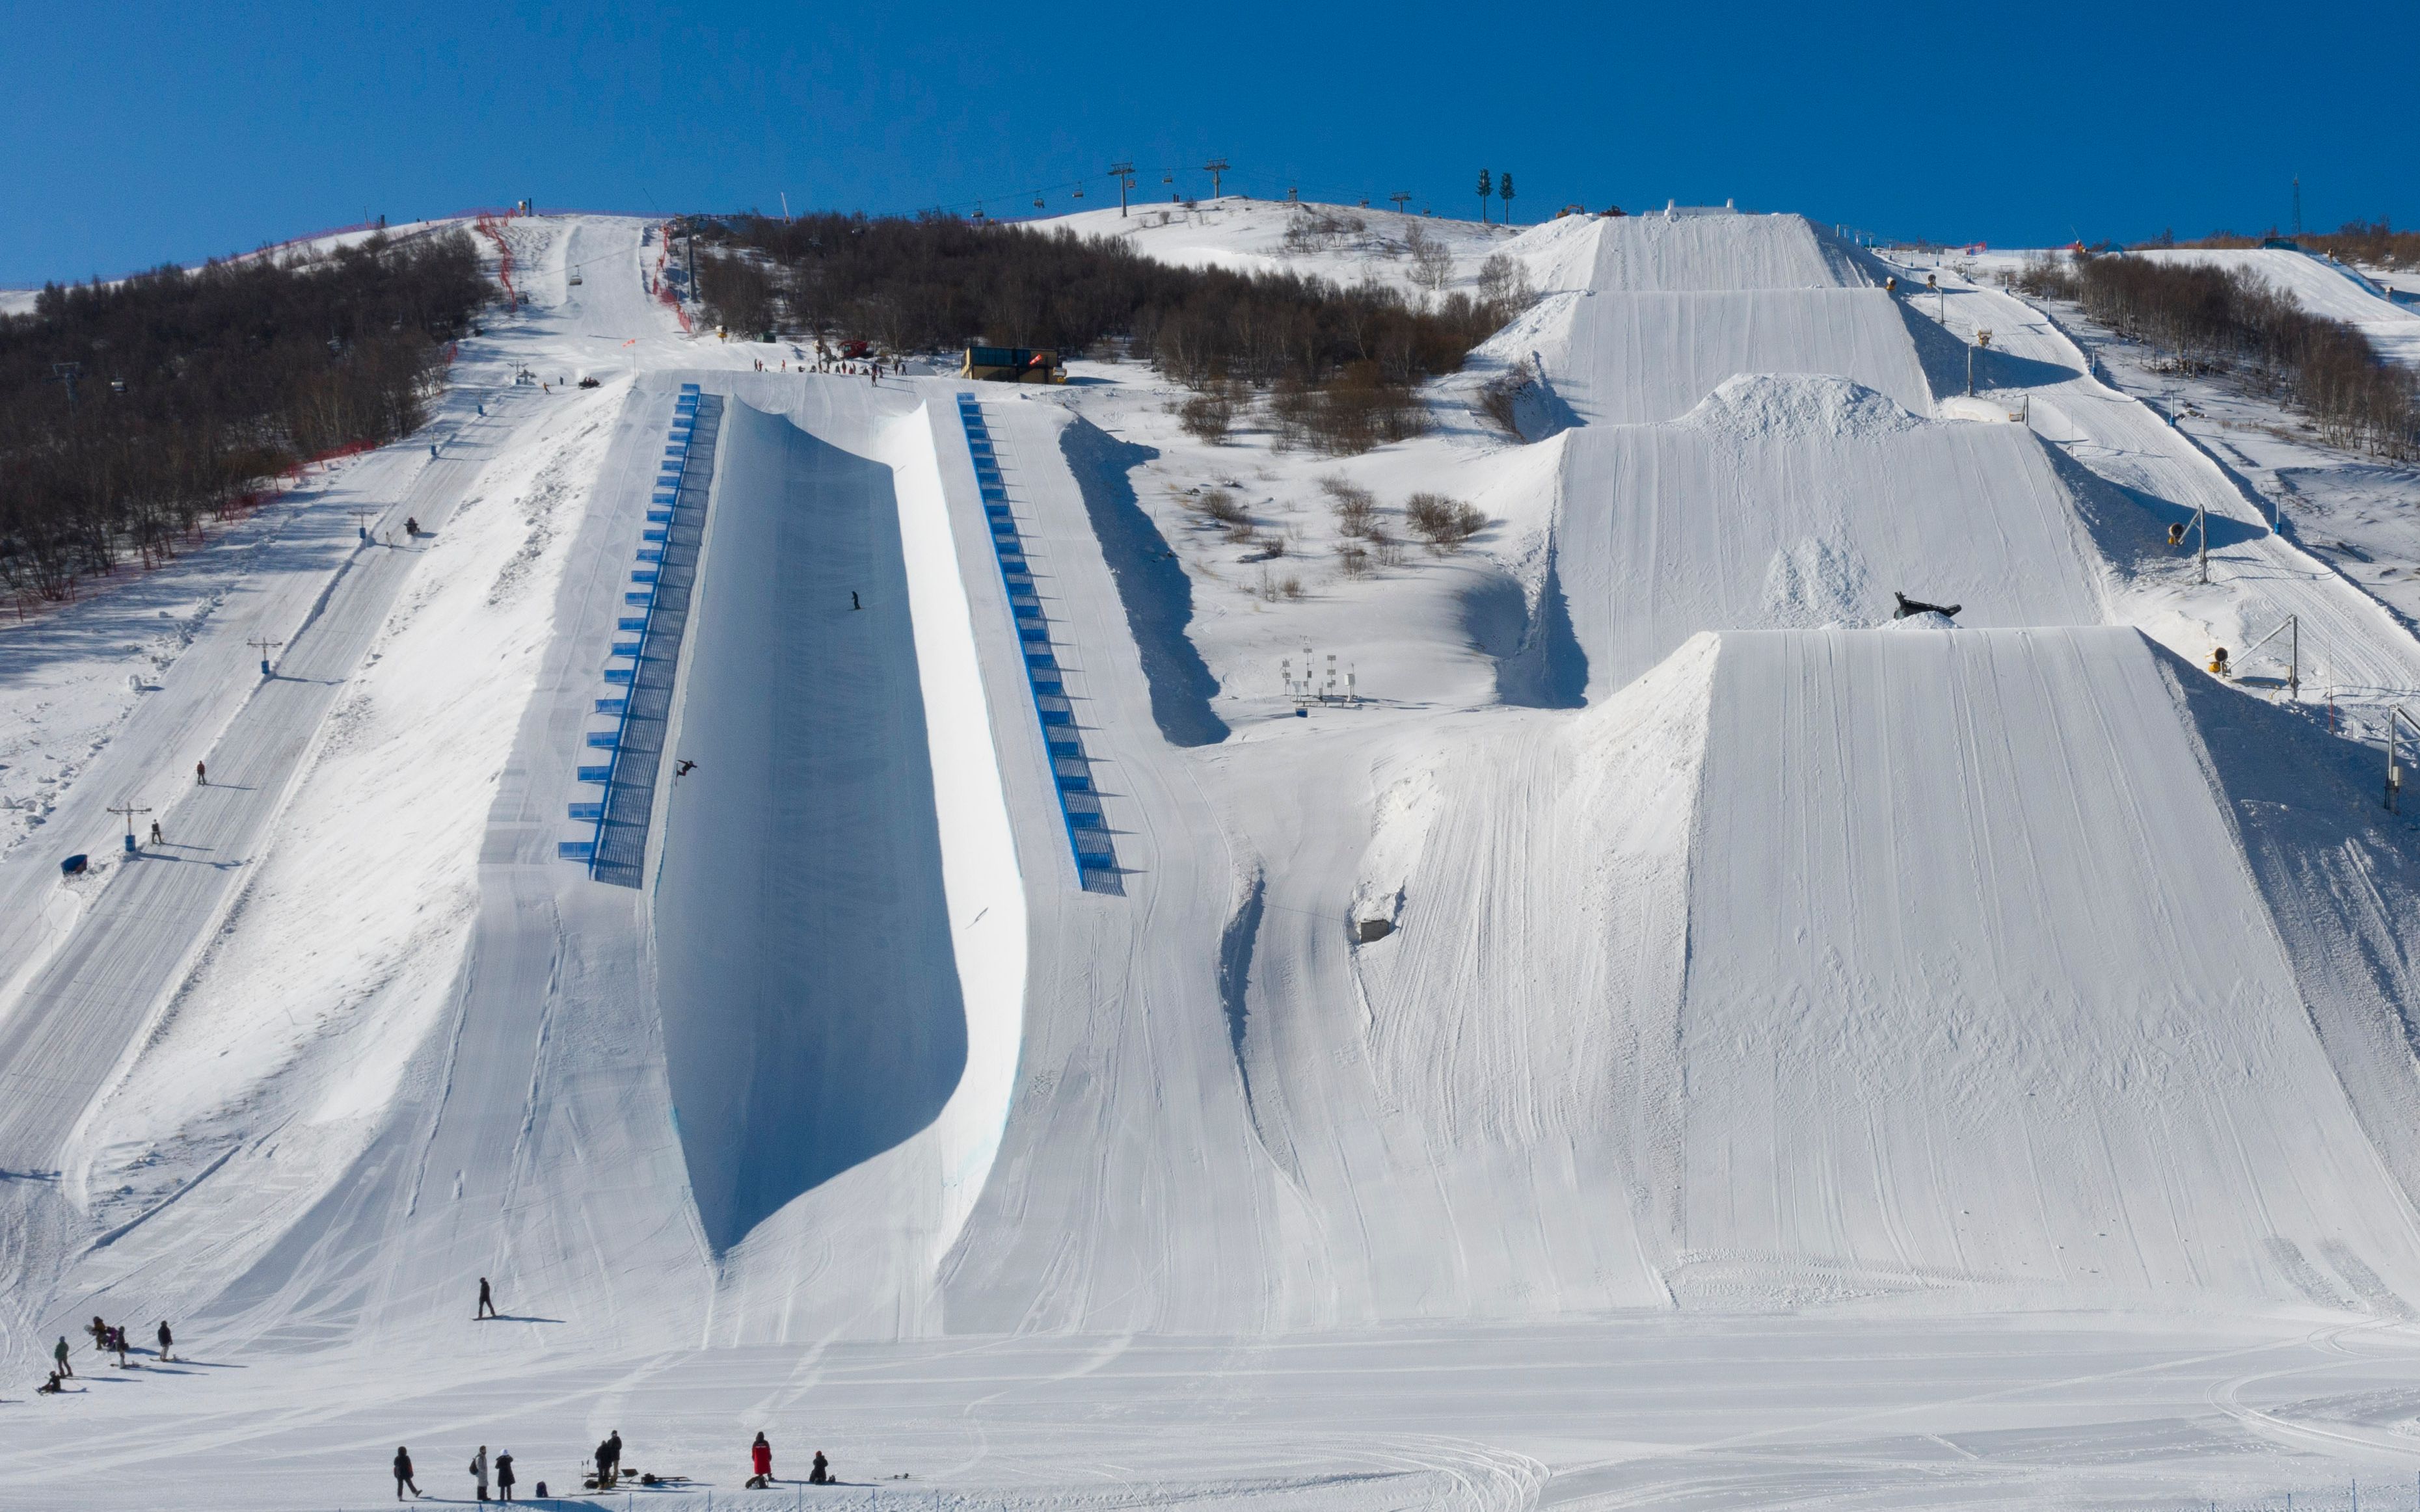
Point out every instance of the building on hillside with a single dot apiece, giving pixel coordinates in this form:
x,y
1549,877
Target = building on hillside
x,y
1013,364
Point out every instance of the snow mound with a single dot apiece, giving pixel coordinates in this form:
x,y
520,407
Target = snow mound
x,y
1799,407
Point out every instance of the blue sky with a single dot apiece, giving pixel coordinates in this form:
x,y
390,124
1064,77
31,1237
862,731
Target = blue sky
x,y
139,132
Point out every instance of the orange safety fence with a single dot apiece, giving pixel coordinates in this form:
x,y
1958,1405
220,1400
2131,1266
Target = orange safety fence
x,y
488,227
664,289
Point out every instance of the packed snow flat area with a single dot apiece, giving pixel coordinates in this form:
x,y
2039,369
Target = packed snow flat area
x,y
1647,1026
2078,1409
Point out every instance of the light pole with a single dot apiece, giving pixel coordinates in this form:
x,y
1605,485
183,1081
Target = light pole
x,y
264,647
130,812
2394,771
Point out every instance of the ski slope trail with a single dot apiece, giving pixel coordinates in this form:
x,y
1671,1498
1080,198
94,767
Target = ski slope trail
x,y
90,992
2353,646
87,1006
2321,286
1674,307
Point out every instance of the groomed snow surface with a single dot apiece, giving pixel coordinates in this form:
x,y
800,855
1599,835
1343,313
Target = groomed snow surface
x,y
1680,1036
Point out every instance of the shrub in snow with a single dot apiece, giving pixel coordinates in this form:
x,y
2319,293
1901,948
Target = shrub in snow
x,y
1444,523
1207,416
1356,508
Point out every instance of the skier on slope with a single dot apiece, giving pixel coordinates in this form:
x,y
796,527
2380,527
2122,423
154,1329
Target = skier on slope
x,y
403,1473
486,1301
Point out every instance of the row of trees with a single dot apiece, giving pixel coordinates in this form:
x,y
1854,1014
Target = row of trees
x,y
129,409
1341,361
2215,319
2373,243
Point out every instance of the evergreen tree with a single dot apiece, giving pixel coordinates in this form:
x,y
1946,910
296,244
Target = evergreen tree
x,y
1487,187
1504,189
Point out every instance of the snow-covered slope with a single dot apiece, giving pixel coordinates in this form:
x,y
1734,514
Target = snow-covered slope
x,y
1664,930
2322,286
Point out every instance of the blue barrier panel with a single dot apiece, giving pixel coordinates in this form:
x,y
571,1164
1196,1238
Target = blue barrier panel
x,y
627,623
604,739
588,811
1079,807
595,773
575,850
626,648
644,715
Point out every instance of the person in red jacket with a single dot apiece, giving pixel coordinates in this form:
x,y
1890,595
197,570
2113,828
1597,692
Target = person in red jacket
x,y
760,1455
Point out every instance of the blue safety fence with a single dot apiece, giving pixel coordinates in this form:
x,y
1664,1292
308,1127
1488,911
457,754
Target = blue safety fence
x,y
1071,767
639,696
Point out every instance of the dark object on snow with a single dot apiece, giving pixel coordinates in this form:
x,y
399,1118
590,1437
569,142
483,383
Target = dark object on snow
x,y
541,1490
1908,606
73,866
1375,929
486,1301
684,768
852,599
403,1473
588,383
821,1474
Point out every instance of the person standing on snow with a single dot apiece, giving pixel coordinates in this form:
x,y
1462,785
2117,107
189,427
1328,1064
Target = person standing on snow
x,y
486,1301
201,780
60,1354
504,1476
403,1473
609,1459
479,1471
166,1338
760,1457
